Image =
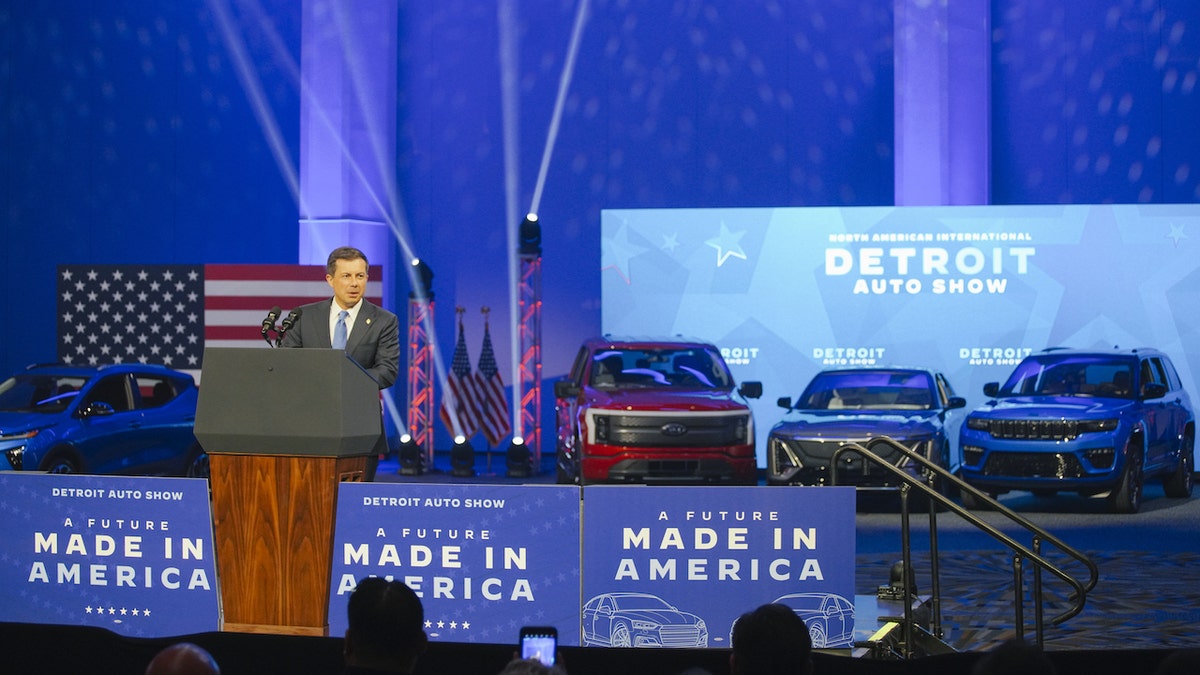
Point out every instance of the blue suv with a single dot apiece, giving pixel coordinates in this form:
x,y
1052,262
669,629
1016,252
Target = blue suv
x,y
113,419
1089,421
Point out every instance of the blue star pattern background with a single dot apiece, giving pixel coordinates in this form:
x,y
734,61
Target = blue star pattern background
x,y
1077,276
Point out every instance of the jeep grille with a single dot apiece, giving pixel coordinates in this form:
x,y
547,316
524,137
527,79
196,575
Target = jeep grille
x,y
1034,430
1033,465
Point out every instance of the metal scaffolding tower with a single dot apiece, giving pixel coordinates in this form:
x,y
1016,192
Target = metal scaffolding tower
x,y
529,388
420,377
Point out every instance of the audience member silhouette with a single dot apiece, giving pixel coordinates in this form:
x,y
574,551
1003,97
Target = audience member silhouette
x,y
1014,657
386,632
770,640
183,658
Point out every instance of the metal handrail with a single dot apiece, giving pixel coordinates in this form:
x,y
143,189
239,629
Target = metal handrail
x,y
1081,589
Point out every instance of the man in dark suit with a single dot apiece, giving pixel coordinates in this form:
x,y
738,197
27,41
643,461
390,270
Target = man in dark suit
x,y
369,333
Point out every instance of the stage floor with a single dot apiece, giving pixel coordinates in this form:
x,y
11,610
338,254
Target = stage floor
x,y
1148,595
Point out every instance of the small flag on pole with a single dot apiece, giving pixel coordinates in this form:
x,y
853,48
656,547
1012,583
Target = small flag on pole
x,y
493,411
460,400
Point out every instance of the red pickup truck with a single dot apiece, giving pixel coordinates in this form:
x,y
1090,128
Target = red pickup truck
x,y
654,410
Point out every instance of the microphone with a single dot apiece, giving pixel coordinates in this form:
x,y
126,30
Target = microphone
x,y
268,323
287,324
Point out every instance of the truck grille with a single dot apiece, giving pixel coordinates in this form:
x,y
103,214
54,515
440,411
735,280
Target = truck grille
x,y
654,431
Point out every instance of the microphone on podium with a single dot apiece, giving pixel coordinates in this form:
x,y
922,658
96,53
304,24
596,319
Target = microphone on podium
x,y
268,323
288,322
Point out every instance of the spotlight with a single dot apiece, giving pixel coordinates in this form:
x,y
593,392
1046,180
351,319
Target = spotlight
x,y
520,460
530,236
898,585
412,460
422,281
462,458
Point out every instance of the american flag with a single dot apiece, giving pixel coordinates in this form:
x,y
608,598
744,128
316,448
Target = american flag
x,y
168,314
461,400
493,413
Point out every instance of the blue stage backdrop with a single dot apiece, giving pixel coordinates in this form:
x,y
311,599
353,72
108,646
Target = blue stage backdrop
x,y
133,555
485,559
787,292
676,566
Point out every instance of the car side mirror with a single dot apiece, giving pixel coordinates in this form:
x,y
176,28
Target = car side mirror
x,y
1154,390
566,389
97,409
750,389
784,402
991,389
956,402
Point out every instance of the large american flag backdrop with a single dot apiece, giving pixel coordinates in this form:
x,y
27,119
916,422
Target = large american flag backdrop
x,y
168,314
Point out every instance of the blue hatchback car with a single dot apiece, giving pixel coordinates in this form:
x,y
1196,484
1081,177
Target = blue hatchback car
x,y
113,419
1087,421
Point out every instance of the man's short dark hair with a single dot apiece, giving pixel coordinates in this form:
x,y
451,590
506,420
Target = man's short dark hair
x,y
344,253
771,639
386,620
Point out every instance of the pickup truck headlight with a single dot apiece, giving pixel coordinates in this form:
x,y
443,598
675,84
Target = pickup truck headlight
x,y
601,423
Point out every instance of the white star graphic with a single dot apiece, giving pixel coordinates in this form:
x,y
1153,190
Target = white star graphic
x,y
616,252
1176,234
727,245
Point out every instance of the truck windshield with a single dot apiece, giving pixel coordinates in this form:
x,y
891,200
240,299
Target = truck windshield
x,y
685,367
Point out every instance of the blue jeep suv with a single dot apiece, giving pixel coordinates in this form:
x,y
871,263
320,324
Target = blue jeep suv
x,y
1089,421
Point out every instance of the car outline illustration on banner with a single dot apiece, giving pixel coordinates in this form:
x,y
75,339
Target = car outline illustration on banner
x,y
913,406
626,619
653,410
829,617
1092,421
127,418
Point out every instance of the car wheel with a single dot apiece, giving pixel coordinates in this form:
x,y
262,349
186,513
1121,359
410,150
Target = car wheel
x,y
59,462
817,633
620,636
197,463
1127,496
1178,485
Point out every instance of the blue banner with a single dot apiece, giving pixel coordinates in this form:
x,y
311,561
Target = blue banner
x,y
133,555
485,559
676,566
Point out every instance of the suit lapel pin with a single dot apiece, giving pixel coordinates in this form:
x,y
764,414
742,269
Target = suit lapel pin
x,y
368,322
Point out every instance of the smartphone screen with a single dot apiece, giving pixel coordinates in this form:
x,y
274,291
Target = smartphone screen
x,y
539,642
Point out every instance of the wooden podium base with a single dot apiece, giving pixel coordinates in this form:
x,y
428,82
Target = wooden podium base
x,y
273,521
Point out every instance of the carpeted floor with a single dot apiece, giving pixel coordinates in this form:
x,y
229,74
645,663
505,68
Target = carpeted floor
x,y
1142,599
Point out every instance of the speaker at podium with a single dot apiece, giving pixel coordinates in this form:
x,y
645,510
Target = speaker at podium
x,y
282,428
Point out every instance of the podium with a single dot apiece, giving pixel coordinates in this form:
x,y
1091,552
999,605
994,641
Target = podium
x,y
282,428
